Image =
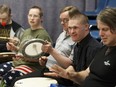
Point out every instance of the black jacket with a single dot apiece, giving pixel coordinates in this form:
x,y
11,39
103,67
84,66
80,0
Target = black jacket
x,y
18,33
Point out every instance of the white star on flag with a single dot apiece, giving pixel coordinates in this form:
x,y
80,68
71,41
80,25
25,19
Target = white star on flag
x,y
10,77
5,66
2,70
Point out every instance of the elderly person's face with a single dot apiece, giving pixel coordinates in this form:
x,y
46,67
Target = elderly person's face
x,y
64,17
5,17
108,38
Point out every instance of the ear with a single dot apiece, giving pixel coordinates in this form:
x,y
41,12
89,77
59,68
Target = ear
x,y
41,20
10,19
86,26
10,15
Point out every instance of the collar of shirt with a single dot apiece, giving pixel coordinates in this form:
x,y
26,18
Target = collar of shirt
x,y
85,40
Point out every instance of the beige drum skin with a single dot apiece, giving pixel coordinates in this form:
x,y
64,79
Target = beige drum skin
x,y
35,82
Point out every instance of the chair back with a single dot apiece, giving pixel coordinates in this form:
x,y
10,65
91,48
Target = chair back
x,y
101,5
111,3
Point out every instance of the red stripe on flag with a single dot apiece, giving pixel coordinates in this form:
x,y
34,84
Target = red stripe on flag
x,y
24,69
27,67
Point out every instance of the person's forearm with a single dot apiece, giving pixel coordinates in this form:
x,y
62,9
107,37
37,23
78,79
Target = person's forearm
x,y
79,77
62,60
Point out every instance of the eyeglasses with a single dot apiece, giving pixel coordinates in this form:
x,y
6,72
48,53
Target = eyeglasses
x,y
65,20
74,27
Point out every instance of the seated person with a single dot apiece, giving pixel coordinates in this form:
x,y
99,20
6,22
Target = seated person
x,y
21,65
8,27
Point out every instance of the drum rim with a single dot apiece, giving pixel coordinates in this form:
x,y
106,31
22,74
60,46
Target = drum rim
x,y
9,53
31,41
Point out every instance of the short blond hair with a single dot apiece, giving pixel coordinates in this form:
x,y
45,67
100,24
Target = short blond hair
x,y
5,9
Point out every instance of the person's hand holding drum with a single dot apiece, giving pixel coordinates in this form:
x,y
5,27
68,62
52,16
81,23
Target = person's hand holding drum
x,y
18,57
43,60
11,46
47,47
14,40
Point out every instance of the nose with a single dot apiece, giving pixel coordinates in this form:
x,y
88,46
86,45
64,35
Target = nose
x,y
31,17
1,20
101,33
62,22
71,31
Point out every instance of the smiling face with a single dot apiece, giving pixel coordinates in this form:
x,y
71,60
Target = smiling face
x,y
34,18
77,30
108,38
78,27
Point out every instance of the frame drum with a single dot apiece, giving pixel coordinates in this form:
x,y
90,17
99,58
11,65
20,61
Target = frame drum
x,y
35,82
32,48
7,54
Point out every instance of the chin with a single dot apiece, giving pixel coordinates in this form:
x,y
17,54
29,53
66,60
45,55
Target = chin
x,y
105,43
74,40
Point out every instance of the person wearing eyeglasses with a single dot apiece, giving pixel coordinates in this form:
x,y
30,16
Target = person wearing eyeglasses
x,y
64,43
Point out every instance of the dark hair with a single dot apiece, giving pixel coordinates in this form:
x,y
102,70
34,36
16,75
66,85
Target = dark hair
x,y
73,11
108,16
5,8
37,7
79,16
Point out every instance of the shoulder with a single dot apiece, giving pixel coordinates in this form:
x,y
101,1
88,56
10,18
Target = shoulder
x,y
26,30
16,26
42,32
93,46
94,42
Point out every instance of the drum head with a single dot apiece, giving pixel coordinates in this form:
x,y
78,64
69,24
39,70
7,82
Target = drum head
x,y
35,81
32,48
